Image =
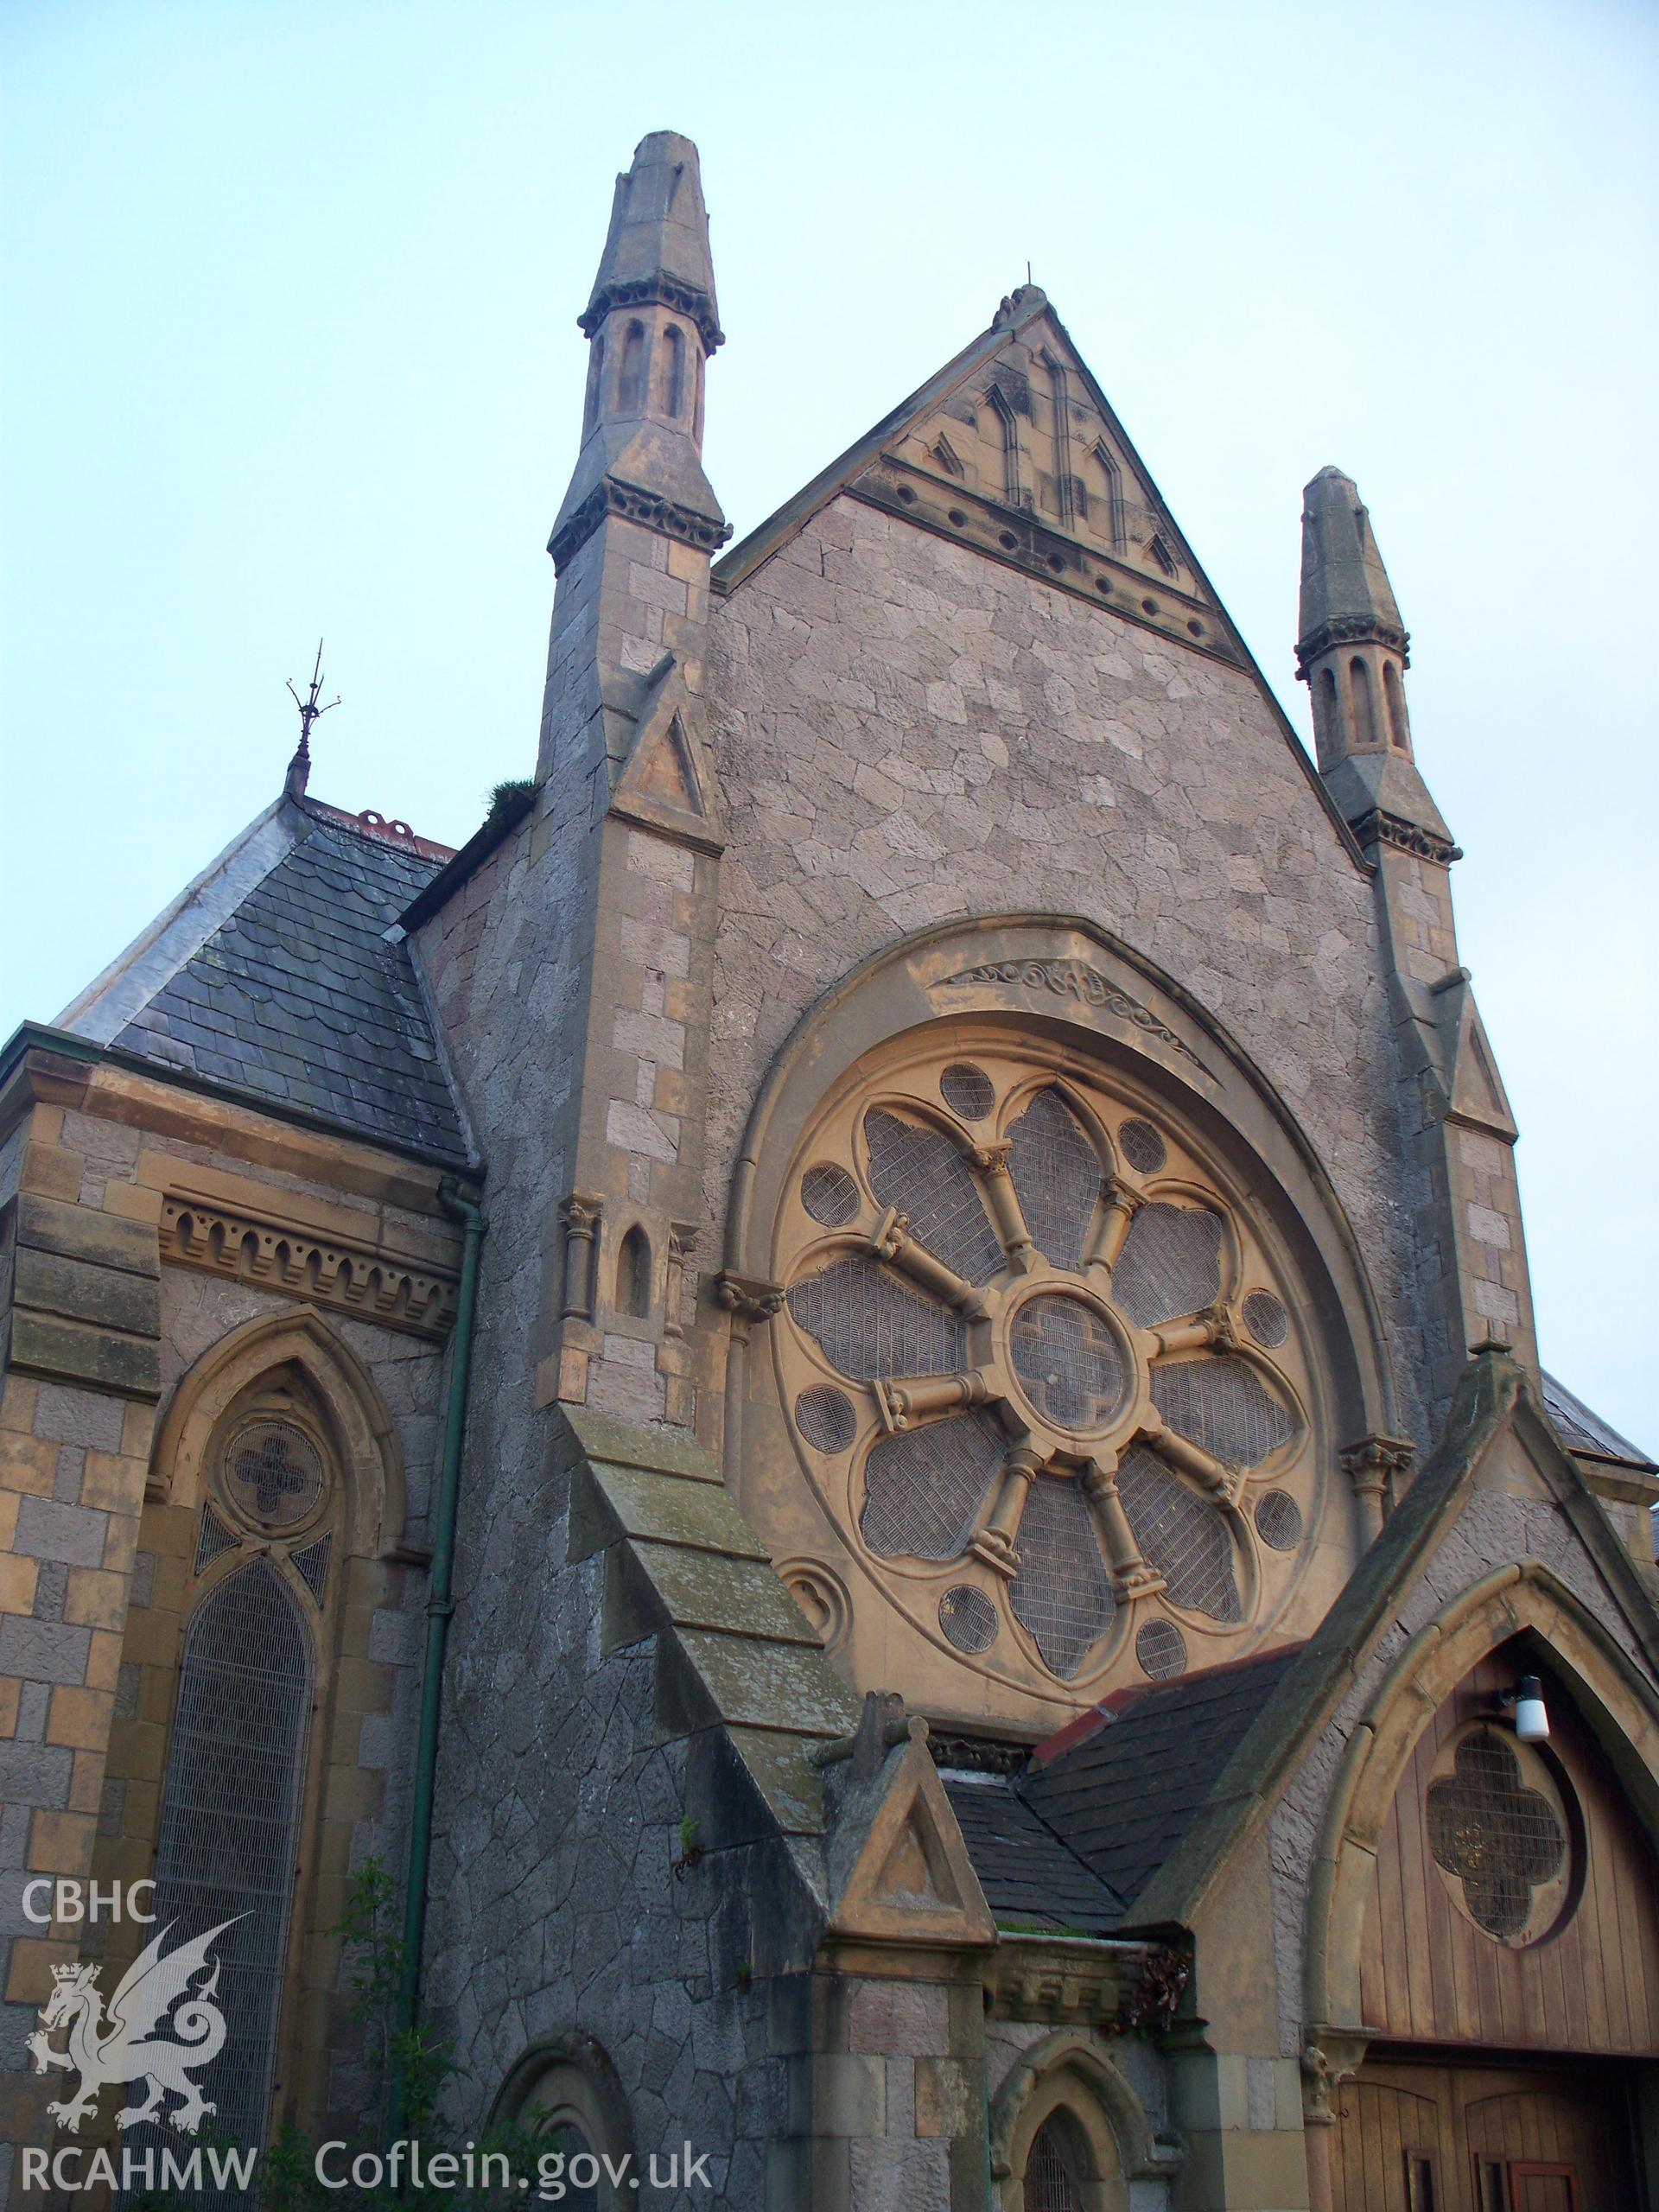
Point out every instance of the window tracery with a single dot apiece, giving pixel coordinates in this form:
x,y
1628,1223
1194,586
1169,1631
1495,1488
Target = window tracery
x,y
1045,1367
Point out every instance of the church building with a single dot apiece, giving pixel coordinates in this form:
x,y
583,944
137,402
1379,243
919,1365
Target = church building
x,y
861,1390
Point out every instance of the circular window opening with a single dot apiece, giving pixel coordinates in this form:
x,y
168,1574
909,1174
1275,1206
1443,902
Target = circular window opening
x,y
273,1475
1161,1650
967,1091
969,1618
1067,1361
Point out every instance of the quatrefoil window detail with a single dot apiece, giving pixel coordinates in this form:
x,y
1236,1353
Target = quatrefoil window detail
x,y
276,1474
1489,1831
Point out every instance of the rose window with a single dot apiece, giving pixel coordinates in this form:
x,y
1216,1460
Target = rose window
x,y
1044,1371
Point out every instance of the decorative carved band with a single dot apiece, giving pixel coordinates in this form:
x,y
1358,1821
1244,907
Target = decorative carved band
x,y
1350,629
1075,978
656,290
1377,828
1122,1988
324,1271
634,504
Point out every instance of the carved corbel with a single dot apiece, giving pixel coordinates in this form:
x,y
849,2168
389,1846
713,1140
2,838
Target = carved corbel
x,y
1371,1466
1330,2057
748,1299
580,1218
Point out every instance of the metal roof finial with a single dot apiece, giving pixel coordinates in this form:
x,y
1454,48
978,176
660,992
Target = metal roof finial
x,y
299,768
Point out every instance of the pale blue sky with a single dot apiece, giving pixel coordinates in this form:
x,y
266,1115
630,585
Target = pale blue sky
x,y
289,289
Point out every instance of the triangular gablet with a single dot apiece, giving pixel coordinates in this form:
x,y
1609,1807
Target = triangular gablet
x,y
909,1878
665,782
1014,451
1474,1091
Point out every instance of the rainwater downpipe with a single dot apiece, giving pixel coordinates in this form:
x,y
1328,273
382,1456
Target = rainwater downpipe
x,y
440,1605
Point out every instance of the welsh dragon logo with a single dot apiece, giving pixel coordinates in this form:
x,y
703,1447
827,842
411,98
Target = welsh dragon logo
x,y
124,2047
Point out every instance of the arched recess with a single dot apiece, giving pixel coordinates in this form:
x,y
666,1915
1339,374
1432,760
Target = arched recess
x,y
1056,1004
1620,1706
634,1274
1111,2138
286,1390
364,1437
564,2086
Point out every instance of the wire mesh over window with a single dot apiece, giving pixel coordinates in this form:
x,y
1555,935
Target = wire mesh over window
x,y
871,1324
826,1418
969,1618
311,1565
229,1819
1266,1318
1170,1264
830,1194
920,1173
924,1487
1498,1837
1068,1361
274,1474
1183,1537
1220,1404
1062,1596
1143,1146
1056,1175
213,1539
1050,2185
967,1091
1161,1650
1279,1520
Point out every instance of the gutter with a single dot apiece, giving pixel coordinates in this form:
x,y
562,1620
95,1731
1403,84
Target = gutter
x,y
440,1606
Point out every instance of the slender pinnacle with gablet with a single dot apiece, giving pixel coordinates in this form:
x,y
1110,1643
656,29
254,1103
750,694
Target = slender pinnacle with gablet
x,y
299,768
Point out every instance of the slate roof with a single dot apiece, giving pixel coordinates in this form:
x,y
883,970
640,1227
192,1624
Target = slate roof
x,y
1072,1841
296,1000
1586,1431
1030,1877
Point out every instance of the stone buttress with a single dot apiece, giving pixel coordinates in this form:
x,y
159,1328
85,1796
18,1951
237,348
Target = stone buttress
x,y
1459,1132
622,754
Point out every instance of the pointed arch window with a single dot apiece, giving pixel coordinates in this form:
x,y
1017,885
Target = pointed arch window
x,y
1394,691
1327,716
1364,706
595,384
1052,2183
673,373
230,1817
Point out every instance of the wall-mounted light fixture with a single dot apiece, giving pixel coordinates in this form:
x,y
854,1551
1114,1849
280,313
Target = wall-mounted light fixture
x,y
1526,1702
